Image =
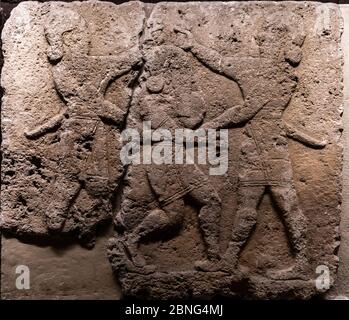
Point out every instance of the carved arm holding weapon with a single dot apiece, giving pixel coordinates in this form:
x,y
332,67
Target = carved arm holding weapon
x,y
238,114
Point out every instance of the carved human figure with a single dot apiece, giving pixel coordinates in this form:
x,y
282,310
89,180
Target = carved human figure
x,y
171,183
81,80
267,83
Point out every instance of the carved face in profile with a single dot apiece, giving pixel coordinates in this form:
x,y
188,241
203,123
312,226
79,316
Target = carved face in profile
x,y
281,37
154,34
67,35
159,31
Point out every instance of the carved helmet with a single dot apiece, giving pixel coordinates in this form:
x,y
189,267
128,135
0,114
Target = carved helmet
x,y
281,34
65,28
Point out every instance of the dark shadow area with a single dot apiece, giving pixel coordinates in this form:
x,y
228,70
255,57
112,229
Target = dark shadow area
x,y
59,242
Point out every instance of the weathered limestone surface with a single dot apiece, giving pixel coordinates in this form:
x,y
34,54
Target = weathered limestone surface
x,y
42,92
77,74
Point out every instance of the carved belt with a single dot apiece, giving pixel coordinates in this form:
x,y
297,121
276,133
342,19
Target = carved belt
x,y
84,117
263,183
180,194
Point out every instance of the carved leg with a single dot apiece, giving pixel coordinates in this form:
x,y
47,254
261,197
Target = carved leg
x,y
157,220
67,185
209,217
296,223
64,192
246,218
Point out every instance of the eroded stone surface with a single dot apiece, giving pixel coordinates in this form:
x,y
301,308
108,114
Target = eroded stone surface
x,y
68,80
77,74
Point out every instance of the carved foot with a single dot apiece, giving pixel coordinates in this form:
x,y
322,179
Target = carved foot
x,y
132,261
228,263
136,257
230,257
138,260
147,269
207,265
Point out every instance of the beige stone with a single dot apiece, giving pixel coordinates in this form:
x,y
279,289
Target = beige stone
x,y
76,75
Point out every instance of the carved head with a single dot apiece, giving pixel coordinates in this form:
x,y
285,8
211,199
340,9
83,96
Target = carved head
x,y
67,34
280,37
159,28
154,33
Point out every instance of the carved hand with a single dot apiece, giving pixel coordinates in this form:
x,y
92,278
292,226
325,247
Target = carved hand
x,y
184,39
111,113
209,125
135,56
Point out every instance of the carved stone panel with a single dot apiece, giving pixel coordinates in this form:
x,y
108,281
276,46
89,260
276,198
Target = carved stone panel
x,y
267,74
68,77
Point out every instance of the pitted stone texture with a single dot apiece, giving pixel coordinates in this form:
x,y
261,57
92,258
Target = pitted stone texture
x,y
62,113
269,72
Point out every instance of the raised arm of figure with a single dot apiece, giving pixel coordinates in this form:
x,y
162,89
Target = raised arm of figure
x,y
116,66
210,58
233,116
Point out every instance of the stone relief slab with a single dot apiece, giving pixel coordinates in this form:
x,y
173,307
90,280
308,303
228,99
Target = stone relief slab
x,y
76,75
63,111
